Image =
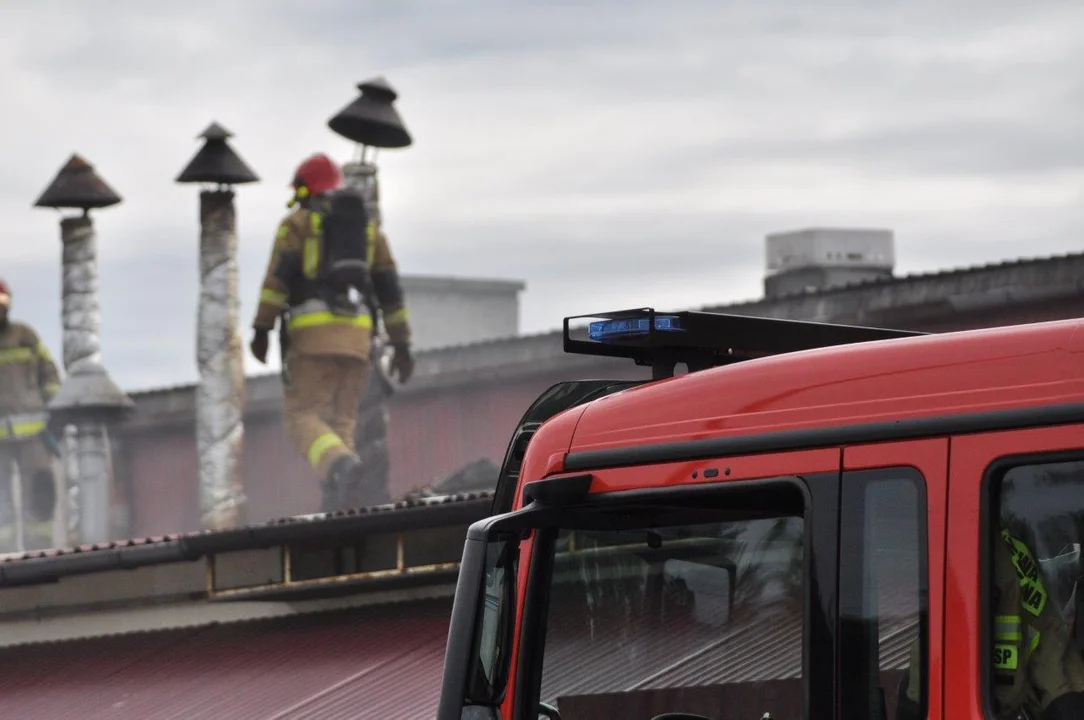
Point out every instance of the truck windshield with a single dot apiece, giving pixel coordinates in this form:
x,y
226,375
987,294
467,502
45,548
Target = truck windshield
x,y
682,617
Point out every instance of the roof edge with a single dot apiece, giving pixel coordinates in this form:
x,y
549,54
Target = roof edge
x,y
49,566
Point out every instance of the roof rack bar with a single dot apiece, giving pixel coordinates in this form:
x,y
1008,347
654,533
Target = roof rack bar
x,y
701,340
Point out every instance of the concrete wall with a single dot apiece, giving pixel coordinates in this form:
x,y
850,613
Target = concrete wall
x,y
448,311
818,258
812,278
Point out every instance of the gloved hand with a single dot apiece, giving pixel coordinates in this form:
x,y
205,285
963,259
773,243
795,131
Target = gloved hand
x,y
402,362
258,346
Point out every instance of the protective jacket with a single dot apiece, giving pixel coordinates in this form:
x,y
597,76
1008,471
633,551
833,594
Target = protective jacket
x,y
1035,660
1037,671
28,378
291,284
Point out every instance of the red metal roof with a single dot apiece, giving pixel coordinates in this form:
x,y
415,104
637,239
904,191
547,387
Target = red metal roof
x,y
377,662
385,662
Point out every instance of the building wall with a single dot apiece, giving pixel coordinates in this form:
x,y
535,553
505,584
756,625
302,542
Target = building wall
x,y
432,434
816,278
160,470
465,401
449,311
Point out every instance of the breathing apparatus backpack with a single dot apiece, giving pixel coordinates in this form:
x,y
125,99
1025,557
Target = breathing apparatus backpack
x,y
343,276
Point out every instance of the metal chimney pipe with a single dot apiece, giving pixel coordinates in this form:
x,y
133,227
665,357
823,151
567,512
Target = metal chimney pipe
x,y
220,395
88,399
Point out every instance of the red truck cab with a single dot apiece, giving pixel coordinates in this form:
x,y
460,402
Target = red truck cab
x,y
816,521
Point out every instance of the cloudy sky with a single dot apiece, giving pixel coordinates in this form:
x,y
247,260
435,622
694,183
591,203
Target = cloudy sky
x,y
609,153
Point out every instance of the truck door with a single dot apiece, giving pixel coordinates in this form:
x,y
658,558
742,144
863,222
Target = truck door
x,y
892,547
1013,593
706,586
804,584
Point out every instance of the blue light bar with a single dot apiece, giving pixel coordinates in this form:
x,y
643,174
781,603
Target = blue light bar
x,y
604,330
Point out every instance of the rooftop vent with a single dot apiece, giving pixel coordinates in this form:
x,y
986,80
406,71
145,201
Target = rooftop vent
x,y
819,258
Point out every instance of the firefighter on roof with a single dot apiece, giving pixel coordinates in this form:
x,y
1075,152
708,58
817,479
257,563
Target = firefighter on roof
x,y
328,267
28,381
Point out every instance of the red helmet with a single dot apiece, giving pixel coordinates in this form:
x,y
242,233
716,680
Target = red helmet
x,y
5,293
319,174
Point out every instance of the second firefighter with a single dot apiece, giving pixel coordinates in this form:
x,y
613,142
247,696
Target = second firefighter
x,y
330,272
28,381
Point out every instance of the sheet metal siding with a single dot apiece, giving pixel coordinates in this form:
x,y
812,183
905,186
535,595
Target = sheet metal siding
x,y
164,484
432,434
278,481
436,433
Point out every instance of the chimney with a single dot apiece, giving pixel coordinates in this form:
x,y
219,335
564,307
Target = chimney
x,y
818,258
220,395
88,400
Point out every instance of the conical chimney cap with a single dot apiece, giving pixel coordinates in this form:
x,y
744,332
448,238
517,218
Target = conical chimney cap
x,y
372,118
216,161
77,185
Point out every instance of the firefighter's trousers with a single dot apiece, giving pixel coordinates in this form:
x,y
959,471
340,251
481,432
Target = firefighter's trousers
x,y
320,401
37,491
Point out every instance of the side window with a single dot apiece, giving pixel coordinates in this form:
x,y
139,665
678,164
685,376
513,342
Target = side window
x,y
1034,525
883,594
493,633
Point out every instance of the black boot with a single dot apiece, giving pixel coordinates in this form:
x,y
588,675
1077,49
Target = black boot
x,y
364,488
336,486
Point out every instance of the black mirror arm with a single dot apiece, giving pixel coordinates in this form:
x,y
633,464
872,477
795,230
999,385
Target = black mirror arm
x,y
548,711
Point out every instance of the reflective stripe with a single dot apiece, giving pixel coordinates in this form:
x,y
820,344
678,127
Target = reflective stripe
x,y
311,261
325,317
1007,637
321,445
315,313
282,231
16,355
273,297
20,430
43,352
370,245
1032,592
51,388
398,317
1007,627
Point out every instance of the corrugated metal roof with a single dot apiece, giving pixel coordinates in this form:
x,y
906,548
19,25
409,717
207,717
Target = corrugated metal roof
x,y
674,646
908,278
381,662
670,647
372,663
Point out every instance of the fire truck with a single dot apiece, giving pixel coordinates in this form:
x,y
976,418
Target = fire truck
x,y
786,520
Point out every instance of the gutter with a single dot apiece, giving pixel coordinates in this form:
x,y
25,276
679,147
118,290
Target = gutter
x,y
437,512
